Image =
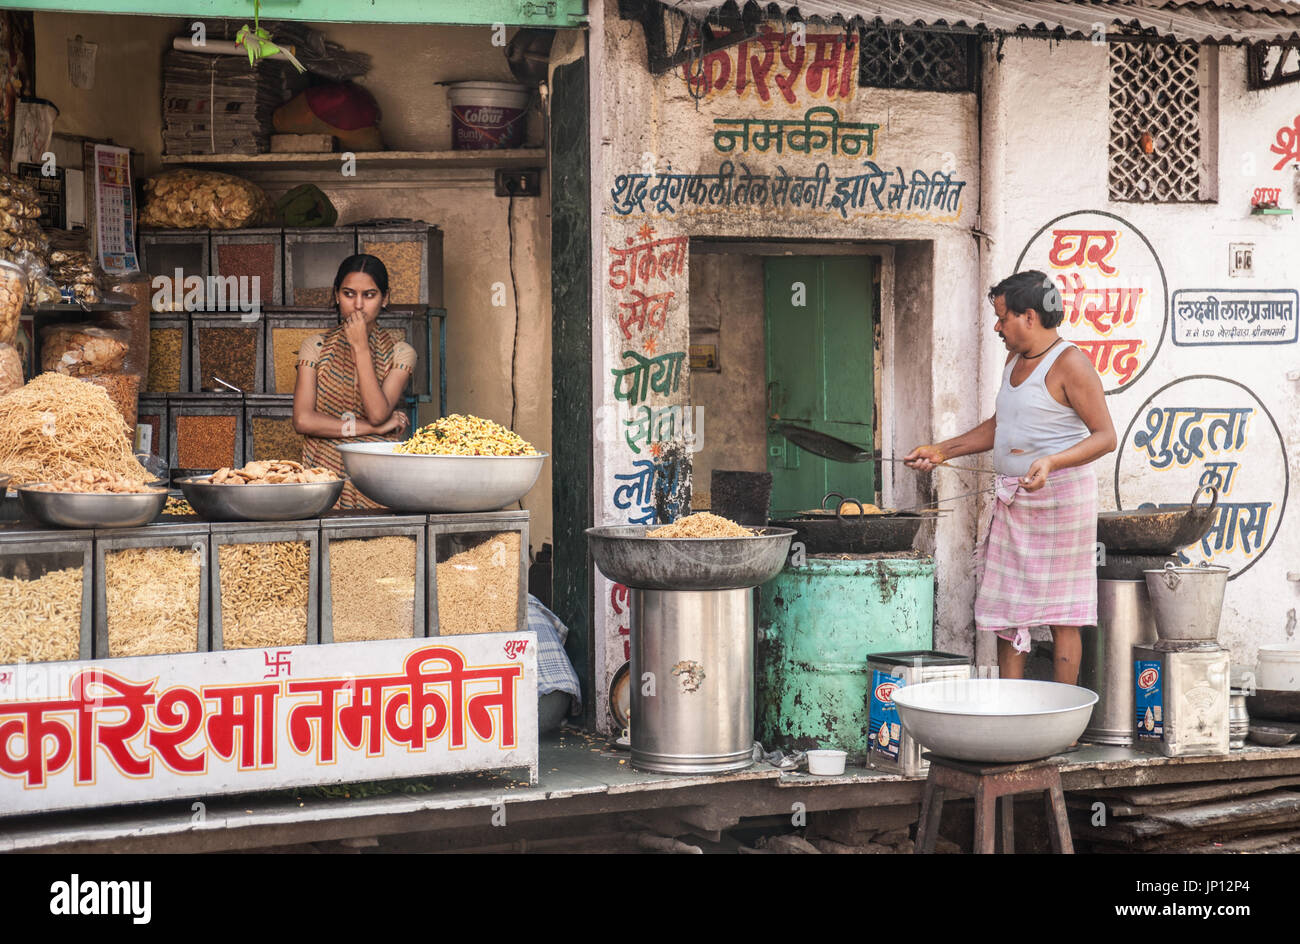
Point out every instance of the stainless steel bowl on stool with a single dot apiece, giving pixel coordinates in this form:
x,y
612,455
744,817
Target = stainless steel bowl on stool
x,y
692,665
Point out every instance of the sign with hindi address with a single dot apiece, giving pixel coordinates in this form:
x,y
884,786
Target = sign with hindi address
x,y
1235,316
112,731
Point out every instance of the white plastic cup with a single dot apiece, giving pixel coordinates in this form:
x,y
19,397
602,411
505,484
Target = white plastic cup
x,y
827,763
1278,669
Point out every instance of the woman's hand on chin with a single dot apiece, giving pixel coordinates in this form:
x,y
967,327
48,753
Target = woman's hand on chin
x,y
355,330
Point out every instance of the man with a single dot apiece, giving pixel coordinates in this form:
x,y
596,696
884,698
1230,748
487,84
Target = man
x,y
1051,422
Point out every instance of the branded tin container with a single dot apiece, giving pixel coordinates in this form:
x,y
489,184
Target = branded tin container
x,y
1181,700
892,748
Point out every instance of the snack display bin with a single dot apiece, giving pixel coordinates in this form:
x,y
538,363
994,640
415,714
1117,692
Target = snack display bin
x,y
168,373
228,534
467,550
268,429
372,595
152,413
190,440
30,562
412,254
285,332
188,539
311,259
229,345
165,251
247,252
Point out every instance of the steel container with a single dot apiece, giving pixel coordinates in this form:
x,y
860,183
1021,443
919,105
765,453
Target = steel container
x,y
433,484
449,535
89,510
1187,601
994,720
892,748
1238,720
692,680
624,554
1124,620
279,501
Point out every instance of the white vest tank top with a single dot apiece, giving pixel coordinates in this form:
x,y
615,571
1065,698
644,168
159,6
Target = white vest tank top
x,y
1031,421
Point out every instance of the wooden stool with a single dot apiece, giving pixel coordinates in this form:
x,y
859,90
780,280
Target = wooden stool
x,y
987,783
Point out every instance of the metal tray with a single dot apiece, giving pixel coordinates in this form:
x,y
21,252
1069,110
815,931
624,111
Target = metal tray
x,y
288,501
1159,531
91,509
624,554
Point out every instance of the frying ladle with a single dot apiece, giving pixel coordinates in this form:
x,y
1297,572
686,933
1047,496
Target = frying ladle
x,y
839,450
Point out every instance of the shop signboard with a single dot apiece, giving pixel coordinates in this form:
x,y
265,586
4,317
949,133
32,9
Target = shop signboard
x,y
113,731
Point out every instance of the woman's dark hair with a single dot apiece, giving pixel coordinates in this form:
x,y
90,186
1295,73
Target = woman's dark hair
x,y
372,266
1031,290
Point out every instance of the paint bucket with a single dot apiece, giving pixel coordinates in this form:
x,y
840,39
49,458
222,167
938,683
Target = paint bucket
x,y
487,115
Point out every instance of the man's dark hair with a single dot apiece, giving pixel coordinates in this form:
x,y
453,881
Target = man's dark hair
x,y
1032,289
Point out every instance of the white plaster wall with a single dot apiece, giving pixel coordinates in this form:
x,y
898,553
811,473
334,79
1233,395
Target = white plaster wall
x,y
650,122
1046,154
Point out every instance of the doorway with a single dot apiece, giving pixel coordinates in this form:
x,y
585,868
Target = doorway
x,y
819,332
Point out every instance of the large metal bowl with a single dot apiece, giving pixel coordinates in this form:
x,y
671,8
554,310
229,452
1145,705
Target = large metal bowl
x,y
282,501
994,720
91,509
624,554
439,484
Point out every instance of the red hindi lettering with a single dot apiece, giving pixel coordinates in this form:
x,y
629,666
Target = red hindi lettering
x,y
792,57
835,58
251,724
1125,360
181,711
1077,247
479,705
323,712
1287,143
89,689
619,596
35,763
361,720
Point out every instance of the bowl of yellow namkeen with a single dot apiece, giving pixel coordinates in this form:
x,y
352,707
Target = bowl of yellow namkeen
x,y
458,463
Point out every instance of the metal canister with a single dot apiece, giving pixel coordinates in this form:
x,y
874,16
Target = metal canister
x,y
1187,695
1238,720
1124,620
692,680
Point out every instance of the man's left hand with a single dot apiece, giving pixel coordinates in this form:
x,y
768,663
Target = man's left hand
x,y
1036,478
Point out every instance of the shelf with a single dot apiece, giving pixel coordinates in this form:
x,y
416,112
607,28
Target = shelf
x,y
1270,211
113,301
372,160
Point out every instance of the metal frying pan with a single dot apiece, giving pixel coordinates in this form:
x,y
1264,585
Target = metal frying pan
x,y
1161,531
829,532
820,444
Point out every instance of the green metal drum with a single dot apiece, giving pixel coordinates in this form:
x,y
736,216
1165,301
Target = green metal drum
x,y
817,624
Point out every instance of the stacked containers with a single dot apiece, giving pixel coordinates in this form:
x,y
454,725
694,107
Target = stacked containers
x,y
169,354
311,258
205,431
478,573
152,595
892,748
372,578
269,432
252,253
285,332
228,345
153,416
264,582
175,254
46,582
412,254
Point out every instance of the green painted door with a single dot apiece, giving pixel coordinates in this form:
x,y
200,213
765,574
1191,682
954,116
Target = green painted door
x,y
819,374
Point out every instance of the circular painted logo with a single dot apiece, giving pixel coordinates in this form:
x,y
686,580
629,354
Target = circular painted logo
x,y
1148,678
1208,431
885,692
1112,287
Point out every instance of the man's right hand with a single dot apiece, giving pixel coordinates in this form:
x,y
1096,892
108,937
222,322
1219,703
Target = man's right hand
x,y
924,458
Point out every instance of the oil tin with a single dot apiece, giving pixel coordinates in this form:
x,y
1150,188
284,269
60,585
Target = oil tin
x,y
1182,700
892,748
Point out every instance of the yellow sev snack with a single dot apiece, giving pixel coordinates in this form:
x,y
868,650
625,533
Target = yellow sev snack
x,y
702,524
463,435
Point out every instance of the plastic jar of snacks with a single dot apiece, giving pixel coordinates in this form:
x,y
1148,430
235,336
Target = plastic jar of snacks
x,y
13,294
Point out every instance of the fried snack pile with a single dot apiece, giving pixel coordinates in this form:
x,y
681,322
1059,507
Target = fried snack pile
x,y
851,508
702,524
97,480
271,472
201,199
462,435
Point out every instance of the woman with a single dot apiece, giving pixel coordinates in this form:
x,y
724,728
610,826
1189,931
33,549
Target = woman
x,y
351,379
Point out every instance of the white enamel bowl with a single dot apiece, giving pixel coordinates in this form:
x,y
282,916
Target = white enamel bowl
x,y
994,720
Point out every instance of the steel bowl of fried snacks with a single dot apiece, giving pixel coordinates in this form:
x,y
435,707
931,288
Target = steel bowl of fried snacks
x,y
455,464
269,490
92,499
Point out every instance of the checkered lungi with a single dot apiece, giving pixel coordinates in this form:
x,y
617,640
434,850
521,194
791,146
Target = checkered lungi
x,y
1036,566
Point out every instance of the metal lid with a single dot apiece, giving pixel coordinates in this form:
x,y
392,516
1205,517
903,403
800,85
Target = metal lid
x,y
919,656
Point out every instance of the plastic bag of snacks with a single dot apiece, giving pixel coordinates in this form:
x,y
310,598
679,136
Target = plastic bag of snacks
x,y
79,349
199,199
13,293
11,369
77,272
41,289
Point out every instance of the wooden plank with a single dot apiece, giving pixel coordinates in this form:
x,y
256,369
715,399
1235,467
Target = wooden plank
x,y
302,143
1192,793
1217,814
